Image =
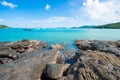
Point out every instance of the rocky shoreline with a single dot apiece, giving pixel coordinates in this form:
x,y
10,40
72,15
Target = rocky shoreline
x,y
35,60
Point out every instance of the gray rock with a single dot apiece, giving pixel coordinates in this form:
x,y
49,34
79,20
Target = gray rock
x,y
84,45
104,46
55,71
12,51
28,68
95,65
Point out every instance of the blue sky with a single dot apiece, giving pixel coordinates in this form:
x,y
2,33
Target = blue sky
x,y
58,13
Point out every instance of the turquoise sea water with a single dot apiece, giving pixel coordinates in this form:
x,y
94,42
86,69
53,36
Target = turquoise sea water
x,y
59,35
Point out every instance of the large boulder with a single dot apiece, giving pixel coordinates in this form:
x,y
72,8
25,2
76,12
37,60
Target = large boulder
x,y
25,46
54,71
104,46
11,51
84,45
95,65
28,68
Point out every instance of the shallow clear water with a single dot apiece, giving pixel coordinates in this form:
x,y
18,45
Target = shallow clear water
x,y
59,35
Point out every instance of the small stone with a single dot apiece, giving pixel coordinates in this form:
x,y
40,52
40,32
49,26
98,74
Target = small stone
x,y
57,46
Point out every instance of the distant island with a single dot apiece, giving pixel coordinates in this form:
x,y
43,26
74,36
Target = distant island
x,y
106,26
110,26
3,26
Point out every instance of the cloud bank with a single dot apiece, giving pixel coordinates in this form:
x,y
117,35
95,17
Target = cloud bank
x,y
92,12
101,11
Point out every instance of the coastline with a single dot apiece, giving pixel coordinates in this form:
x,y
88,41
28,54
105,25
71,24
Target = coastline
x,y
34,60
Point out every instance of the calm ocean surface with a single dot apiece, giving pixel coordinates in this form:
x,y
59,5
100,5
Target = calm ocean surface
x,y
59,35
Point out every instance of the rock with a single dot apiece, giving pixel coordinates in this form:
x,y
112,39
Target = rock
x,y
68,53
104,46
57,46
62,78
7,56
55,71
118,44
78,42
99,45
25,46
43,44
29,68
84,45
60,59
68,77
27,60
95,65
12,51
114,43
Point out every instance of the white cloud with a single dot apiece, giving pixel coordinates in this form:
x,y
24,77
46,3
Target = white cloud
x,y
102,11
11,5
92,12
52,19
1,20
47,7
56,21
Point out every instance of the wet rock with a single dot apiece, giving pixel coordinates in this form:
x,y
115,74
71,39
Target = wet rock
x,y
57,46
55,71
68,53
78,42
29,68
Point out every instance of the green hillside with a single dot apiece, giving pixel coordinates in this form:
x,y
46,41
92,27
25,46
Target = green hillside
x,y
110,26
3,26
